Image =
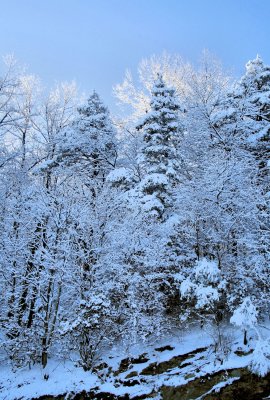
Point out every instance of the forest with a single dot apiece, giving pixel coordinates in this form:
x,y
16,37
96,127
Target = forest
x,y
124,228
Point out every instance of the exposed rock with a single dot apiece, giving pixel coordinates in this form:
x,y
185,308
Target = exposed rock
x,y
159,368
248,387
132,374
199,386
164,348
100,367
241,353
127,362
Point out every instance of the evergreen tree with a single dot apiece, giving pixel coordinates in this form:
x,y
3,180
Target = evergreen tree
x,y
97,144
160,158
242,124
244,115
254,94
253,97
87,147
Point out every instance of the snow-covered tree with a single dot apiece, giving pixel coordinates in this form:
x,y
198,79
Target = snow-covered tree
x,y
10,90
87,147
242,122
245,115
89,328
99,228
245,316
260,363
205,288
136,97
253,93
160,157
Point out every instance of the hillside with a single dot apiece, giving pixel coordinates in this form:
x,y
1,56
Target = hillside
x,y
178,370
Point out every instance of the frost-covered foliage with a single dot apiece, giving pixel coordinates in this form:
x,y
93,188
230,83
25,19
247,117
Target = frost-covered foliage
x,y
160,157
86,146
242,121
204,286
246,318
260,364
121,178
89,328
246,315
245,113
109,233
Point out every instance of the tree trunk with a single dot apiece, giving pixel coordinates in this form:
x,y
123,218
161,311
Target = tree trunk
x,y
245,338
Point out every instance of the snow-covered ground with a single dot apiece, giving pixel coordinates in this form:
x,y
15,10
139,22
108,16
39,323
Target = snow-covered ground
x,y
65,377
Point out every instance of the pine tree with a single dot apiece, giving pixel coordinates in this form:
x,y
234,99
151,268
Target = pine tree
x,y
87,147
97,134
254,89
159,158
245,115
254,93
242,123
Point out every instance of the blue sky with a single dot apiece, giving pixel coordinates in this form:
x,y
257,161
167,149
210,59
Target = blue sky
x,y
94,41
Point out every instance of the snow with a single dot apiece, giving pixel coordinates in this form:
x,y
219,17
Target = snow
x,y
65,377
155,180
208,270
120,174
205,295
245,315
223,114
27,384
186,287
255,137
260,363
151,203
